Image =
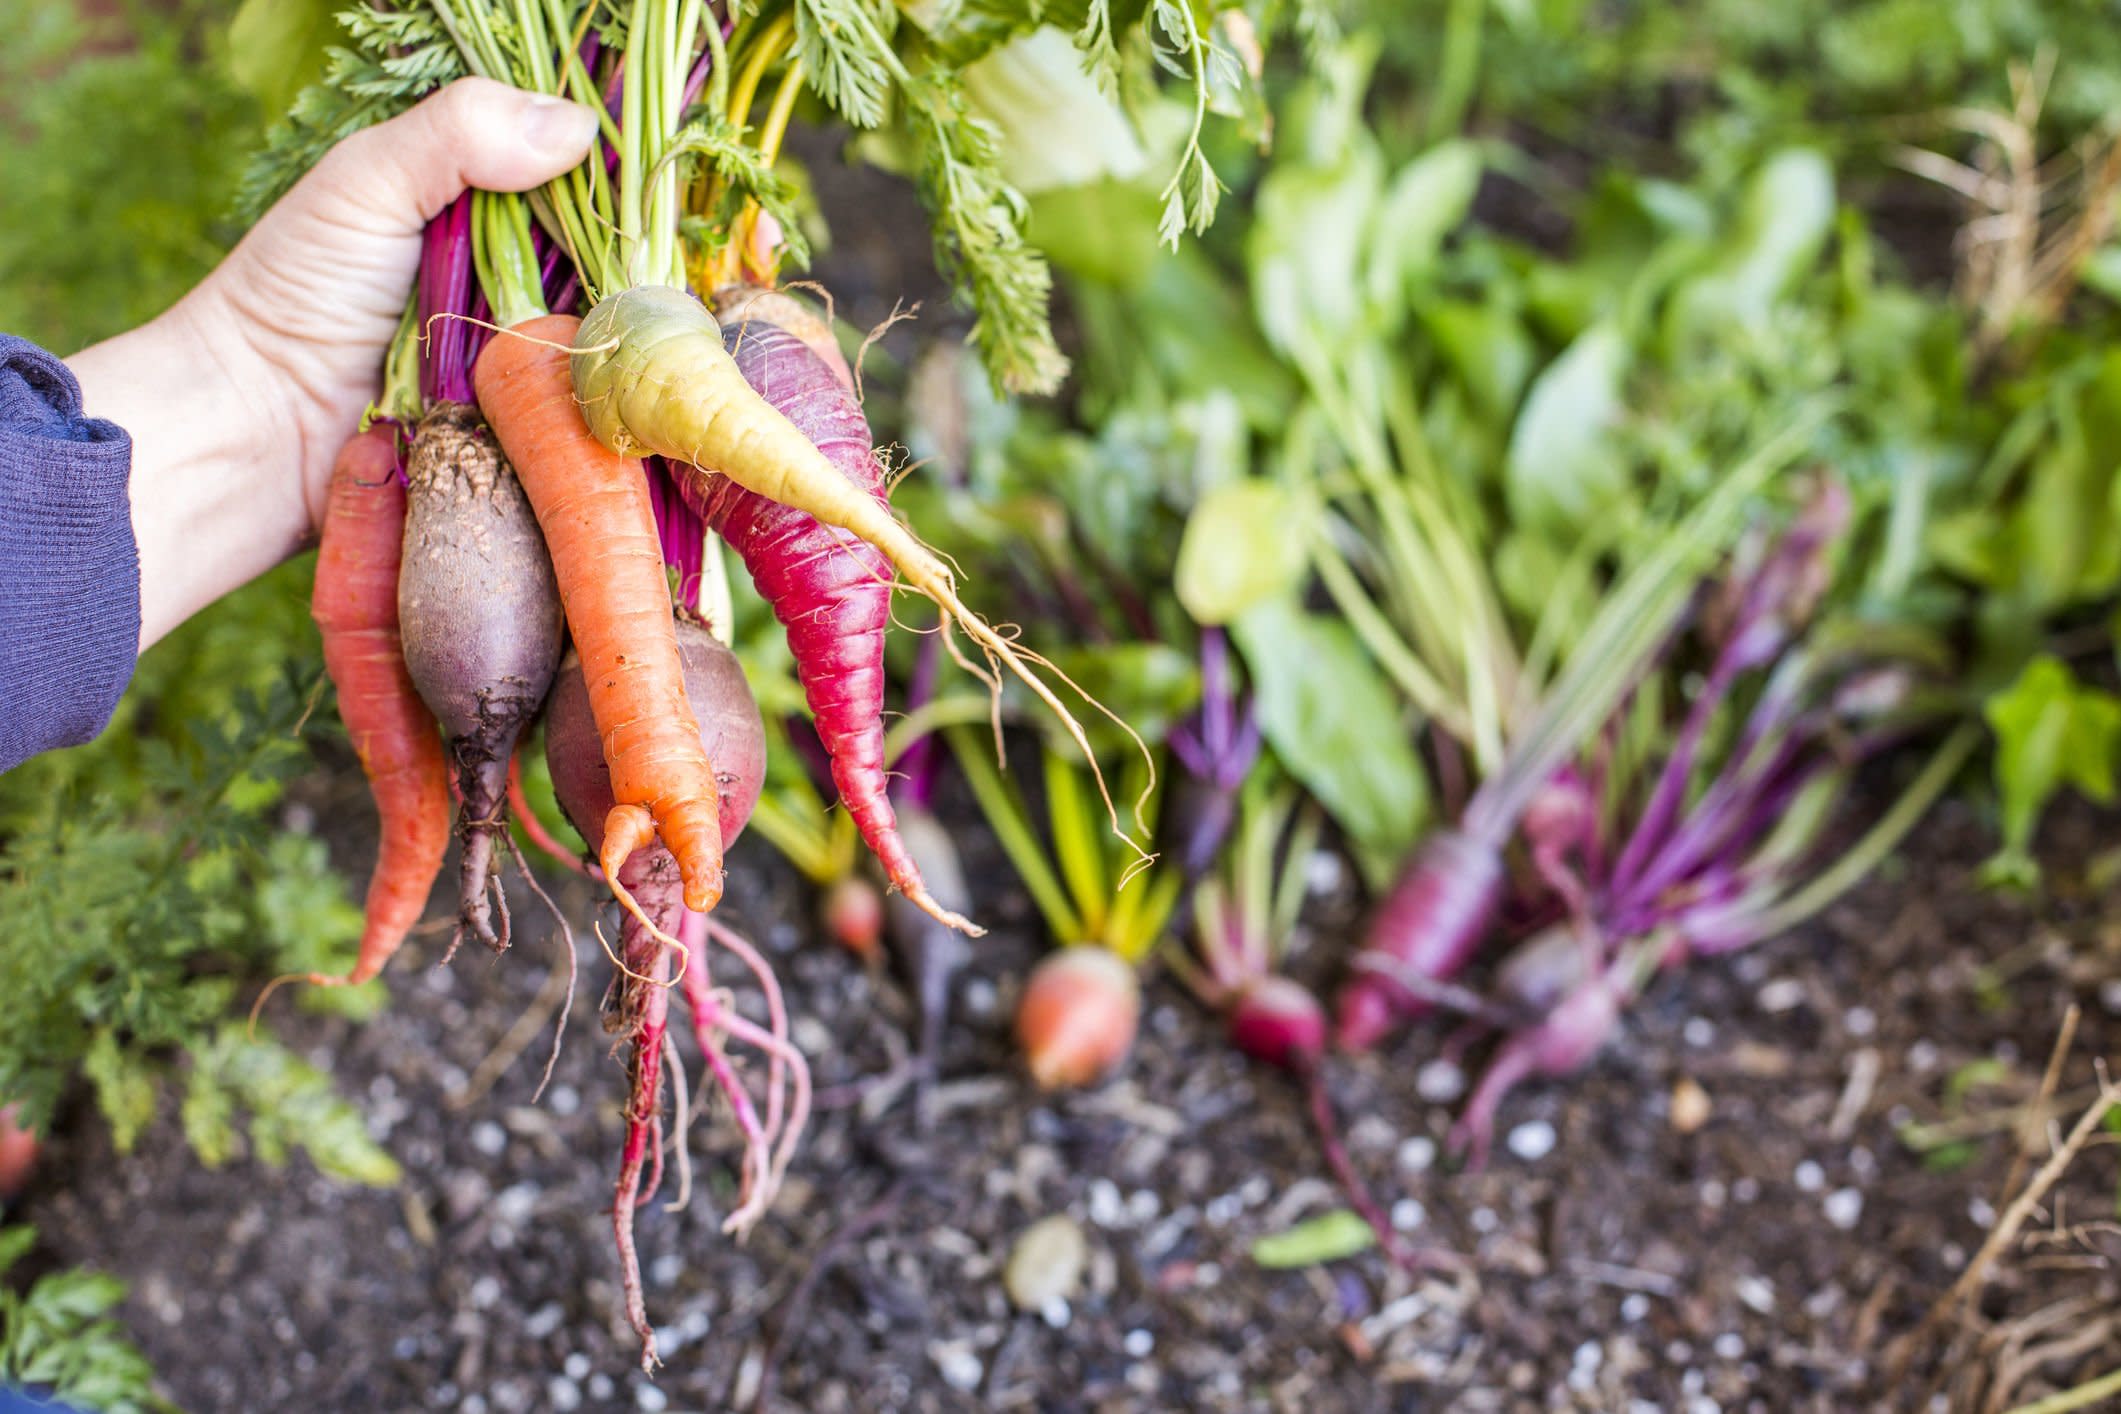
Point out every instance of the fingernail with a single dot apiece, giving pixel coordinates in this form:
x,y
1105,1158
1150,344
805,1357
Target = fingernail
x,y
556,125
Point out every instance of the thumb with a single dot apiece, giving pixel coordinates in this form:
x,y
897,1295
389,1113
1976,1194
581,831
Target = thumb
x,y
394,177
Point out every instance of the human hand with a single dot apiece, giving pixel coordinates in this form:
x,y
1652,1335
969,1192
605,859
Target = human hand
x,y
238,397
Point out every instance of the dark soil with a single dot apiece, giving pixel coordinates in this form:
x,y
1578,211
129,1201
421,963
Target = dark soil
x,y
1762,1262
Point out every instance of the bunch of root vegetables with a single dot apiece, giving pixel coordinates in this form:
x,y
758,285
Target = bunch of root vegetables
x,y
596,392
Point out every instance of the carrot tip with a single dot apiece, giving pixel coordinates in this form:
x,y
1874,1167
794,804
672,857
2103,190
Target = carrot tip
x,y
924,901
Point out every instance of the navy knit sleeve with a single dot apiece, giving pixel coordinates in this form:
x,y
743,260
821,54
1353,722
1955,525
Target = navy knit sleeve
x,y
69,569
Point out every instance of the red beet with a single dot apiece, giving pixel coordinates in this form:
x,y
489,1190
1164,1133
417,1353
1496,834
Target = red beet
x,y
735,738
1427,929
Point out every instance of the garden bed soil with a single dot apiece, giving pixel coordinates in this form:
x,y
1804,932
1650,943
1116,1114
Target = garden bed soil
x,y
1760,1255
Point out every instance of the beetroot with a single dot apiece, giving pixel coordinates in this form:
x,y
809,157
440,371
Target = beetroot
x,y
479,613
1426,931
1078,1015
735,740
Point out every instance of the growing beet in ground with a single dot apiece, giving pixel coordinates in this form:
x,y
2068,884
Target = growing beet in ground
x,y
480,615
638,1009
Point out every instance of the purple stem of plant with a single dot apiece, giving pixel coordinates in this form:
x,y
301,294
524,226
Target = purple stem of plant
x,y
681,531
447,289
920,766
1217,745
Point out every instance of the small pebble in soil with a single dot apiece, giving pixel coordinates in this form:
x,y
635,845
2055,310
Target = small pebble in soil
x,y
1417,1154
1484,1220
980,997
1106,1209
543,1321
1729,1346
1633,1307
489,1138
1756,1292
1440,1082
1982,1212
1782,994
1746,1189
1143,1205
2110,995
515,1203
1138,1343
563,1099
484,1292
1045,1264
1922,1056
1860,1021
1056,1313
599,1386
563,1394
1323,871
651,1399
1699,1032
1408,1214
1809,1177
664,1270
1863,1162
1691,1105
1713,1193
1533,1140
960,1368
1843,1207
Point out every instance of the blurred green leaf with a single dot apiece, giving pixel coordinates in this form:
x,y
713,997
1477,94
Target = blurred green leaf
x,y
1246,541
1564,466
2051,732
1336,725
125,1088
1425,202
276,47
1315,1241
1783,221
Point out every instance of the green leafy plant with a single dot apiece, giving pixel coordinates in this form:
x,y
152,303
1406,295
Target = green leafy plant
x,y
58,1336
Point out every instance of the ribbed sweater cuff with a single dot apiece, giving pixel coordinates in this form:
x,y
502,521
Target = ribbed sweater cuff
x,y
69,567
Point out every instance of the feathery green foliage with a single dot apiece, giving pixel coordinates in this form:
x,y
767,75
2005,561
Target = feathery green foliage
x,y
391,59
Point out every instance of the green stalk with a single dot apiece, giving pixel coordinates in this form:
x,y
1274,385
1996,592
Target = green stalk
x,y
1077,839
1401,663
1459,69
1860,859
1630,624
803,844
401,367
505,259
1005,815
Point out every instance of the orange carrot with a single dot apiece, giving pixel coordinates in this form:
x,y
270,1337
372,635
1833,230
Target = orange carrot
x,y
599,524
355,604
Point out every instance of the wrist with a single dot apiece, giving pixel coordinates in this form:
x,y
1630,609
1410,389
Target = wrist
x,y
215,487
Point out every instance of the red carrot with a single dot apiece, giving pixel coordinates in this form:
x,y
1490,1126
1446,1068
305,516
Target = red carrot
x,y
829,589
355,604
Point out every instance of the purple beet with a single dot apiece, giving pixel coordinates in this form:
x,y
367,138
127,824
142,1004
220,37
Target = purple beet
x,y
480,616
730,729
1426,931
735,739
1277,1021
1568,1037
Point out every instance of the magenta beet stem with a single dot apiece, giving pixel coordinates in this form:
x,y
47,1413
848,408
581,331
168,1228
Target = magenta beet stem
x,y
1427,929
